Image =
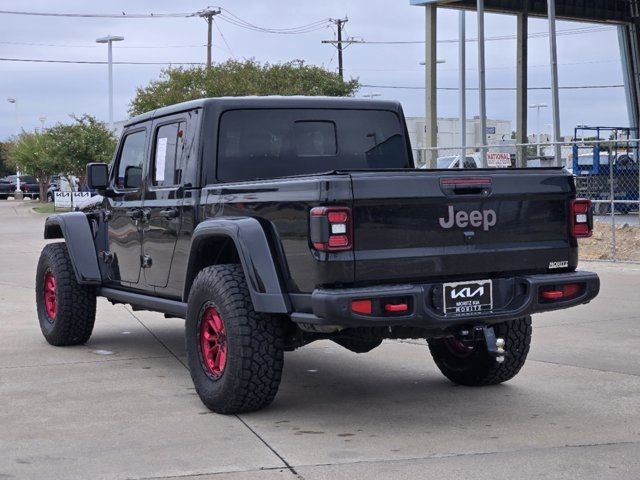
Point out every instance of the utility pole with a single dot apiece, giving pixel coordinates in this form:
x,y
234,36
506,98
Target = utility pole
x,y
339,23
208,16
538,106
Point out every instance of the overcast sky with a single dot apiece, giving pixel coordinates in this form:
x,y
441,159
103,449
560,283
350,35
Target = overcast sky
x,y
56,90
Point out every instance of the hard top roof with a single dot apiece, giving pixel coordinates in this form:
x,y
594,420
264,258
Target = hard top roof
x,y
233,103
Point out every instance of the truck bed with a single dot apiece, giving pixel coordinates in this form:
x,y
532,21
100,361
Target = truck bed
x,y
514,221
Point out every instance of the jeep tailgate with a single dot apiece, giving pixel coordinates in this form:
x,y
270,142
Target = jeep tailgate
x,y
420,224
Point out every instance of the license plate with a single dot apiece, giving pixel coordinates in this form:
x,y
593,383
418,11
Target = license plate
x,y
468,298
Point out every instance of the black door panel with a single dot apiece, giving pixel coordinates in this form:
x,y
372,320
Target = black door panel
x,y
163,198
126,214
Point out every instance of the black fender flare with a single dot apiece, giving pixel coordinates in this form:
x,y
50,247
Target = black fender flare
x,y
74,228
256,259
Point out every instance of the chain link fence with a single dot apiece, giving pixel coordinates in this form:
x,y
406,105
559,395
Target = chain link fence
x,y
605,171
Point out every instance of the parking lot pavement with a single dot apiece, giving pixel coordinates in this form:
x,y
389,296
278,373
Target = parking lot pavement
x,y
123,405
629,219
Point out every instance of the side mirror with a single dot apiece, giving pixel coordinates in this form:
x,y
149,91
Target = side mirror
x,y
98,176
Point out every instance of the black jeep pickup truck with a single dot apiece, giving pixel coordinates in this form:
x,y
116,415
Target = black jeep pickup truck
x,y
269,223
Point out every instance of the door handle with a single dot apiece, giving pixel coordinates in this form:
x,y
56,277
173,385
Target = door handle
x,y
135,214
169,213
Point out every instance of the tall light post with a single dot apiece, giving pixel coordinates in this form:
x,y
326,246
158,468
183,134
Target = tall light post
x,y
109,41
14,101
538,106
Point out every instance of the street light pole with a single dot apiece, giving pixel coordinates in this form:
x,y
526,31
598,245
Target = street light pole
x,y
538,106
14,101
109,41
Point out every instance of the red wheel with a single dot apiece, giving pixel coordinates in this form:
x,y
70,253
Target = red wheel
x,y
213,342
49,293
235,354
458,348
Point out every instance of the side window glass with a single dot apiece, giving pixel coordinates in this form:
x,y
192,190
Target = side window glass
x,y
131,161
168,155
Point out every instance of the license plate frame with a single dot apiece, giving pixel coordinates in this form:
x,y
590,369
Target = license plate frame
x,y
468,298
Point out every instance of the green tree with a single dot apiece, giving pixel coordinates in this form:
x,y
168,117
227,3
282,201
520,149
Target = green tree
x,y
84,141
4,160
30,153
234,78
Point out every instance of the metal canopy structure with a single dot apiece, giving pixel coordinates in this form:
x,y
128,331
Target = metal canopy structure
x,y
624,13
599,11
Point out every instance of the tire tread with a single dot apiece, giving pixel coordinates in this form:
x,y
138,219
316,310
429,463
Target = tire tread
x,y
76,303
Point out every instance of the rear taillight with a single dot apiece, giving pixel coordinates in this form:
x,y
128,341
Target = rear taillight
x,y
581,220
330,229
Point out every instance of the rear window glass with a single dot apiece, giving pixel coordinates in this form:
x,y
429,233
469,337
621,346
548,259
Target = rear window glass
x,y
255,144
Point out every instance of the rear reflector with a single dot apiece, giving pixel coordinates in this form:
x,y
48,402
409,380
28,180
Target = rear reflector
x,y
362,307
561,292
396,307
581,218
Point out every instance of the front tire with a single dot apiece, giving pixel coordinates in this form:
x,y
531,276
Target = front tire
x,y
235,354
66,309
474,366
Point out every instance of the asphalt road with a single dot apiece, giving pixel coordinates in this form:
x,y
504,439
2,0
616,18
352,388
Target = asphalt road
x,y
123,405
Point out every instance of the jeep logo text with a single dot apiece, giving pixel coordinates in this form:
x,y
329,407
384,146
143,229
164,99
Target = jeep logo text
x,y
476,218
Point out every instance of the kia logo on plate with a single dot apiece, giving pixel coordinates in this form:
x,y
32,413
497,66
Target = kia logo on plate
x,y
476,218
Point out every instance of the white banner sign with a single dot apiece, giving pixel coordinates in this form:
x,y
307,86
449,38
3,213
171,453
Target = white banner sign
x,y
62,199
70,199
79,197
498,160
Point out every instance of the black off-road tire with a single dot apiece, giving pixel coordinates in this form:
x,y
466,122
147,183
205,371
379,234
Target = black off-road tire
x,y
477,367
356,345
254,345
75,304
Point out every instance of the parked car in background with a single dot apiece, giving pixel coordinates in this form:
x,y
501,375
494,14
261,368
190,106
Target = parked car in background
x,y
7,186
453,161
29,186
59,183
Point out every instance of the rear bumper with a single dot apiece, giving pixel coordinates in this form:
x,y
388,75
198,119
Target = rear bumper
x,y
514,298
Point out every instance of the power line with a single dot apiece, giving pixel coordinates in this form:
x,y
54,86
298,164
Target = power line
x,y
92,62
229,17
224,39
471,69
561,33
498,89
93,45
99,15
